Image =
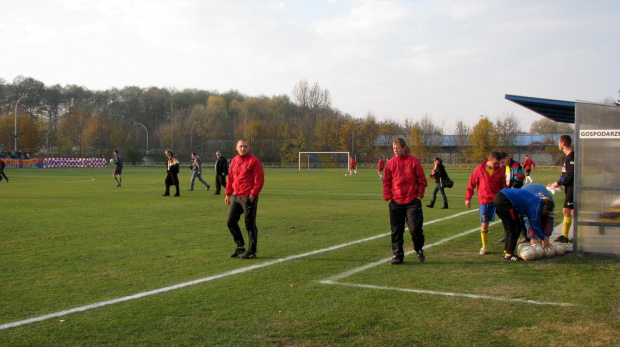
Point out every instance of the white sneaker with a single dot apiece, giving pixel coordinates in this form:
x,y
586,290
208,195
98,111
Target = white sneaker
x,y
483,251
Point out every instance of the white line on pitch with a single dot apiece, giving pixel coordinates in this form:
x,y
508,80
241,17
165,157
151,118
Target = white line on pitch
x,y
200,280
376,263
431,292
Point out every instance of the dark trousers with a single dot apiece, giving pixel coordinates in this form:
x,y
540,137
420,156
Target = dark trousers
x,y
410,213
220,181
510,219
439,188
172,179
241,205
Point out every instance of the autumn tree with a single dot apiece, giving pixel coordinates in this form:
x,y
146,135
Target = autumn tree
x,y
507,130
483,140
548,126
70,131
426,138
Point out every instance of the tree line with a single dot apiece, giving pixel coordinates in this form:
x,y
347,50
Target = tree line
x,y
73,121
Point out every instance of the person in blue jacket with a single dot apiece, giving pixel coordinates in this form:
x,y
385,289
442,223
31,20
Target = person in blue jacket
x,y
536,206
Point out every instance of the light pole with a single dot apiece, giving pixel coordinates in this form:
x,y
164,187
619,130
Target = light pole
x,y
191,137
147,136
17,102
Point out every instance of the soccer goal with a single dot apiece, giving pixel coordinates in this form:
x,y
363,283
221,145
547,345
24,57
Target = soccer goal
x,y
324,160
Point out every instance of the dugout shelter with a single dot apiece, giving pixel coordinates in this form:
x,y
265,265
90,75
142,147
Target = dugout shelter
x,y
596,142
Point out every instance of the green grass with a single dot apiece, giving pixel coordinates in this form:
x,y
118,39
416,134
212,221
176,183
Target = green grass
x,y
69,238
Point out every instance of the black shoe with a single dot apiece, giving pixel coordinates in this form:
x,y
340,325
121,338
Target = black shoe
x,y
396,261
208,187
249,255
166,194
177,194
561,239
445,207
421,256
431,205
216,193
237,252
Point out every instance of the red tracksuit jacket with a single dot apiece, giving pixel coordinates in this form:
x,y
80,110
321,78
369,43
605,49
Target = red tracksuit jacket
x,y
488,185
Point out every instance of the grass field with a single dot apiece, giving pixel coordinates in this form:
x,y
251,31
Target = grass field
x,y
83,263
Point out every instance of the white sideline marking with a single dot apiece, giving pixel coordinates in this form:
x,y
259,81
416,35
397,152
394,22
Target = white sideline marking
x,y
371,265
334,279
465,295
201,280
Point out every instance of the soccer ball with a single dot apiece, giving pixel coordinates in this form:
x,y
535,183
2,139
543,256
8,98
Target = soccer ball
x,y
559,249
549,252
112,161
527,253
540,252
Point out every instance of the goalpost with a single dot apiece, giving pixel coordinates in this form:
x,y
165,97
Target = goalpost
x,y
324,160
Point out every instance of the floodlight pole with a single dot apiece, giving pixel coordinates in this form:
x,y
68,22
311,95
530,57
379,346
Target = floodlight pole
x,y
147,136
17,102
191,137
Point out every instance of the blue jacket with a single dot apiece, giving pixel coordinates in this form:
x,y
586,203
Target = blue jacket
x,y
531,205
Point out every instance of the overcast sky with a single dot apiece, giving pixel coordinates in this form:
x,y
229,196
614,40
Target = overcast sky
x,y
397,60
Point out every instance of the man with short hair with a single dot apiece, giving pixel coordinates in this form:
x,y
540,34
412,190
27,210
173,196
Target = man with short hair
x,y
513,170
118,169
221,170
245,182
196,167
404,183
532,203
565,144
528,165
489,179
352,166
380,167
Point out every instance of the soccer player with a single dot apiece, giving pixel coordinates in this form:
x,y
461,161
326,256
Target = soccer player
x,y
566,180
513,170
489,179
352,166
2,174
536,206
118,170
403,186
245,182
196,167
528,165
172,177
380,167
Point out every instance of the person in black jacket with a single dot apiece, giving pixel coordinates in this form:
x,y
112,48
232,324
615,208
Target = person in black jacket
x,y
172,170
439,173
221,170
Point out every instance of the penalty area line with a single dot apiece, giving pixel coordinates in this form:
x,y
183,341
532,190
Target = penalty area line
x,y
200,280
464,295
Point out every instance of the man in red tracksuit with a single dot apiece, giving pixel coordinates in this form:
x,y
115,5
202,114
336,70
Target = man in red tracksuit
x,y
245,181
489,179
404,183
380,167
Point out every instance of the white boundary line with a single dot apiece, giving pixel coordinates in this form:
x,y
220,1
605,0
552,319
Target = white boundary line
x,y
465,295
334,280
222,275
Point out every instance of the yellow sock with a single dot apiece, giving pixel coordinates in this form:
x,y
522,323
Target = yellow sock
x,y
483,235
566,225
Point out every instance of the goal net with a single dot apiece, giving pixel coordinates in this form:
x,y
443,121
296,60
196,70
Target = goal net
x,y
323,160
